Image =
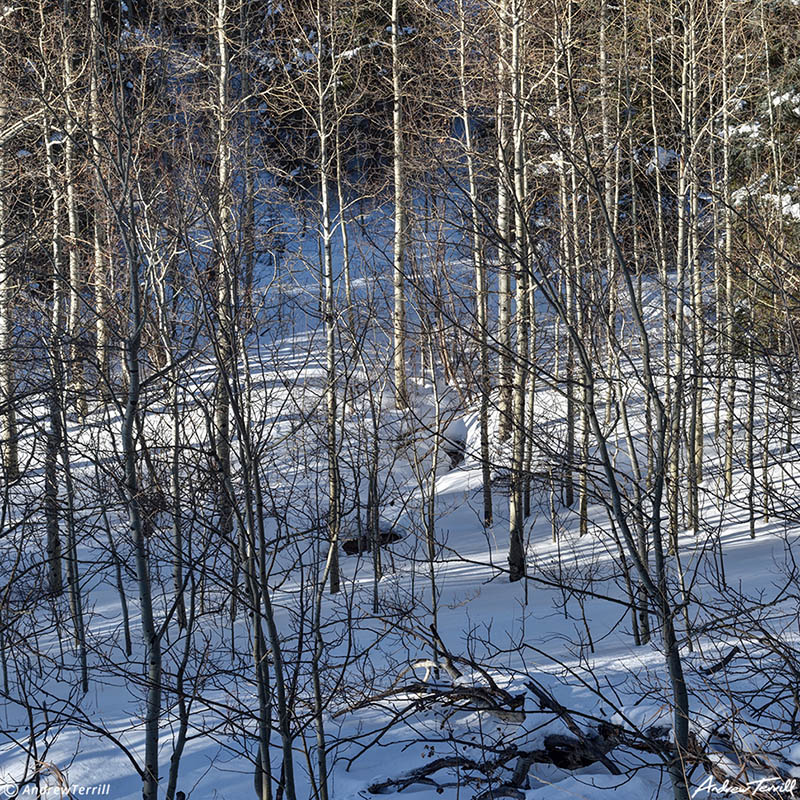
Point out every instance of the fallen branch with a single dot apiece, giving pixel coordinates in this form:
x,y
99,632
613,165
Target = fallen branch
x,y
561,751
458,698
720,664
548,701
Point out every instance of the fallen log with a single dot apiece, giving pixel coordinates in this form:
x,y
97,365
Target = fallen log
x,y
559,750
760,776
592,745
757,780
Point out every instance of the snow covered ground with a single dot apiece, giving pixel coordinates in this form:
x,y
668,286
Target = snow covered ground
x,y
568,627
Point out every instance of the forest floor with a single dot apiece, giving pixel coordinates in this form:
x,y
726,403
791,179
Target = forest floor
x,y
567,627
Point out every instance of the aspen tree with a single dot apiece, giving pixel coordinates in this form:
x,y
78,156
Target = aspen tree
x,y
655,583
749,424
400,217
504,218
566,261
516,552
659,202
100,276
150,633
477,251
581,283
329,311
338,145
685,165
607,154
331,567
225,288
71,558
76,270
776,164
258,551
55,392
250,516
247,95
176,429
728,302
125,204
694,259
8,422
765,461
531,382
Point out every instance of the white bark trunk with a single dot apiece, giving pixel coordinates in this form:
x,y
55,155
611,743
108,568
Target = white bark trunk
x,y
8,423
481,302
504,255
399,266
224,275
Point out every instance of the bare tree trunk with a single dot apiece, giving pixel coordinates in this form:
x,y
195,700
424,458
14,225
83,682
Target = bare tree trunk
x,y
8,422
57,445
504,254
76,276
225,283
568,278
685,165
373,500
663,265
329,316
249,168
184,705
429,506
55,394
340,196
117,562
750,420
254,565
608,191
400,232
172,371
579,289
281,700
481,302
728,307
331,568
530,401
582,323
696,426
150,634
73,575
657,589
98,245
254,560
516,550
765,482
